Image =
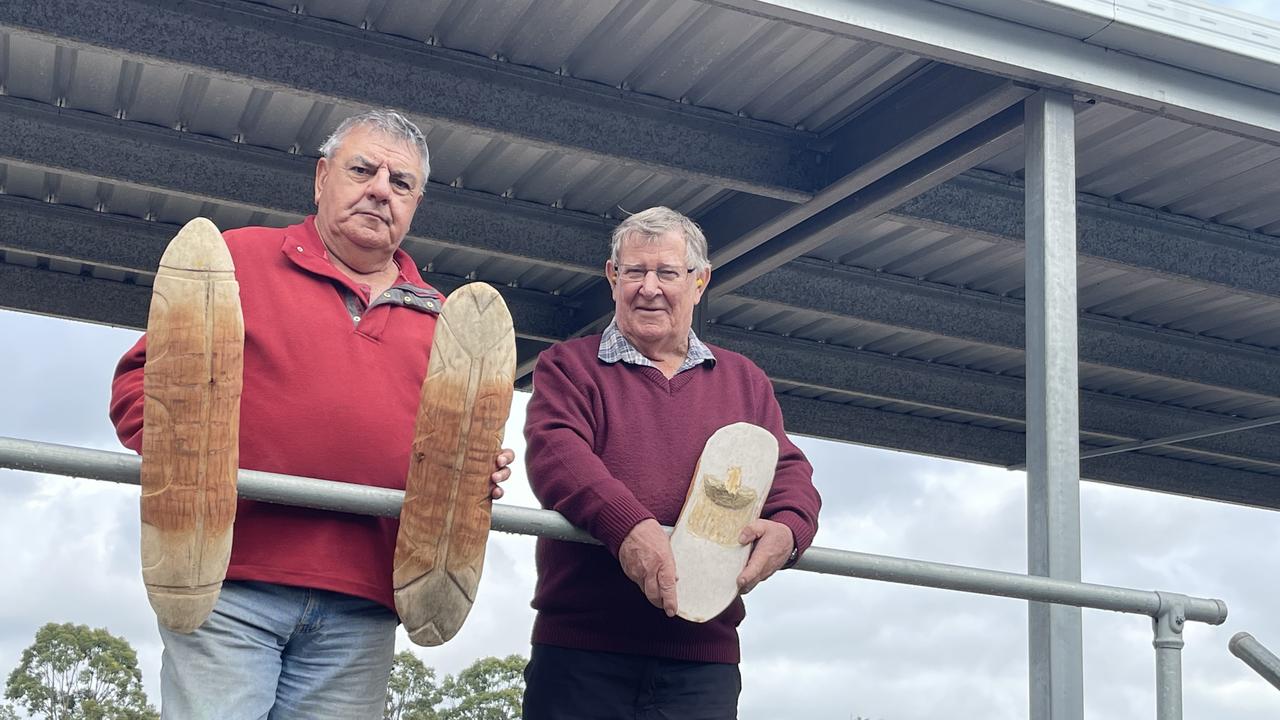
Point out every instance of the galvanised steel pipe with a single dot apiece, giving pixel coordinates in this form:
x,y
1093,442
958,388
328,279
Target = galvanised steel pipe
x,y
1005,584
269,487
345,497
1167,628
1257,656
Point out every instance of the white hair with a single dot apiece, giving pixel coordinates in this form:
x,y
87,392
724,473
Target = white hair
x,y
648,225
389,122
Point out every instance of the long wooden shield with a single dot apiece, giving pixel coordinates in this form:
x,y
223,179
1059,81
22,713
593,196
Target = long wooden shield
x,y
444,524
191,426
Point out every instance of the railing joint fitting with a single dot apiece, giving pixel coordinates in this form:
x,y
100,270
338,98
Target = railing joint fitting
x,y
1169,621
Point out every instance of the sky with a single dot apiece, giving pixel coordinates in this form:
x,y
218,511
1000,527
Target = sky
x,y
817,647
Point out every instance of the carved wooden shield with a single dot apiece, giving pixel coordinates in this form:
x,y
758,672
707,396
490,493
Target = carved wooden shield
x,y
444,524
728,490
191,426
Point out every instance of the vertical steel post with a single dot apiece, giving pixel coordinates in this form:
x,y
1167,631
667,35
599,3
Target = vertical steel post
x,y
1167,627
1053,427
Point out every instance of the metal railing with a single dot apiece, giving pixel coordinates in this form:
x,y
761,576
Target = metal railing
x,y
1257,656
1169,611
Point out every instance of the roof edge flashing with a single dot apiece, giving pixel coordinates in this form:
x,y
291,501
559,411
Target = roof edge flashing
x,y
1080,19
1218,42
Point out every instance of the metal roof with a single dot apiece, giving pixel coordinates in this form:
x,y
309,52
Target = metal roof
x,y
858,178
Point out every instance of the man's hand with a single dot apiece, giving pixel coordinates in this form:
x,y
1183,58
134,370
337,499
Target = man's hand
x,y
505,457
774,543
645,555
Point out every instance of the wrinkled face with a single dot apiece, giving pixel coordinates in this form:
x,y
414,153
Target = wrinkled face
x,y
367,192
650,309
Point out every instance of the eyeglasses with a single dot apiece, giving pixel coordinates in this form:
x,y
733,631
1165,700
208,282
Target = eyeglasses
x,y
665,275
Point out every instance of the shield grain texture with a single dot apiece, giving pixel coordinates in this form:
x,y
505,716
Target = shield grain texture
x,y
444,523
191,426
728,490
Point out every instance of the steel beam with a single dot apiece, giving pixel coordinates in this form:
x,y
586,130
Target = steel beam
x,y
844,292
973,443
990,207
526,356
538,317
875,378
985,319
1177,439
1053,401
943,162
277,51
78,297
180,164
880,160
69,233
940,104
938,30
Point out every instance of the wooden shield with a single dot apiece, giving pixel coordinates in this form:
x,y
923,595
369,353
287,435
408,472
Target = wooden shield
x,y
191,426
444,524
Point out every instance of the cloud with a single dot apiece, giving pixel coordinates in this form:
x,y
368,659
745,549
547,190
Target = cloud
x,y
58,379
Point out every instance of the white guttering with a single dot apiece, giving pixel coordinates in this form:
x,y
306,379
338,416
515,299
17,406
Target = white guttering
x,y
1211,40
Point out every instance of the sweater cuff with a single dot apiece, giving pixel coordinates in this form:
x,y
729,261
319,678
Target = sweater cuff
x,y
801,531
616,520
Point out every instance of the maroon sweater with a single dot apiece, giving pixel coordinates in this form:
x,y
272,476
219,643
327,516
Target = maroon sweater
x,y
610,445
323,397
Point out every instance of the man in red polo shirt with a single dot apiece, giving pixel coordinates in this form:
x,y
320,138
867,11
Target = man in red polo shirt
x,y
615,428
338,328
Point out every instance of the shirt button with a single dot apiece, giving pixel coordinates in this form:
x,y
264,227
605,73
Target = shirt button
x,y
356,318
408,299
386,294
299,248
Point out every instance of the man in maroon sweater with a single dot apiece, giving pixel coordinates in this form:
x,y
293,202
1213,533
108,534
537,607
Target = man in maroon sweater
x,y
338,328
615,428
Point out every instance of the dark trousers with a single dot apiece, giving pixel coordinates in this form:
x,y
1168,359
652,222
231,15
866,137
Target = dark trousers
x,y
565,684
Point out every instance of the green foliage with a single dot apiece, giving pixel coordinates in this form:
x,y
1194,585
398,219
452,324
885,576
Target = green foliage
x,y
489,689
7,712
412,691
72,672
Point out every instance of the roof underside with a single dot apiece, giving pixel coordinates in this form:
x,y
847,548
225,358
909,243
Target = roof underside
x,y
863,203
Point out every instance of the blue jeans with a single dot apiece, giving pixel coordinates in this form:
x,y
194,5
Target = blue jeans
x,y
279,652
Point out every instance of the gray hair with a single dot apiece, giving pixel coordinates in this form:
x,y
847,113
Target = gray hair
x,y
648,225
388,122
